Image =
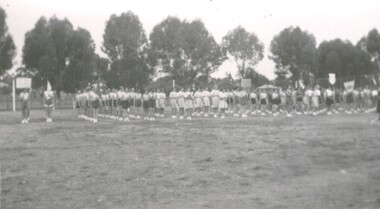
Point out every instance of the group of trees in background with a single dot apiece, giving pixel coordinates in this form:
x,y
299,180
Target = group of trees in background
x,y
297,57
7,46
176,49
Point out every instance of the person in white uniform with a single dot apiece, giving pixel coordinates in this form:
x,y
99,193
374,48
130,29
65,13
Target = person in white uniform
x,y
49,104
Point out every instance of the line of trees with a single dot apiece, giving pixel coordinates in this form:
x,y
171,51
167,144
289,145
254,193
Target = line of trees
x,y
179,49
296,56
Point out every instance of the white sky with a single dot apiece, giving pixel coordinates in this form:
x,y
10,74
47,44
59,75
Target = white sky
x,y
326,19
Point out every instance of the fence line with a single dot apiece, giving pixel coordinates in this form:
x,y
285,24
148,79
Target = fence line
x,y
36,102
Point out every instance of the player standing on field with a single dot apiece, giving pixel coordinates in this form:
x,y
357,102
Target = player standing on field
x,y
25,98
49,104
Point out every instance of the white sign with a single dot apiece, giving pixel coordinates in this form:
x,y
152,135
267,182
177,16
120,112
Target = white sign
x,y
349,86
23,83
332,78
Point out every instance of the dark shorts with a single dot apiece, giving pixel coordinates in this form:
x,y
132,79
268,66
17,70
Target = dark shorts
x,y
299,99
236,100
243,101
329,101
125,104
289,101
77,105
114,103
146,104
263,102
48,102
104,103
24,105
349,99
95,104
138,103
87,104
152,103
276,101
320,100
337,98
130,102
253,101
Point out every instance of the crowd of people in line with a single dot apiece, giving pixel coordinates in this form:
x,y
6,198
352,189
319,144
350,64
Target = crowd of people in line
x,y
125,104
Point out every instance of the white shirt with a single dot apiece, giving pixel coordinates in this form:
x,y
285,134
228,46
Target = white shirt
x,y
173,95
181,94
48,94
206,94
329,93
253,95
24,96
222,95
309,93
215,93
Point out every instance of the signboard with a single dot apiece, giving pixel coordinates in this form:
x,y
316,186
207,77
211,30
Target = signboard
x,y
23,83
246,83
332,78
349,86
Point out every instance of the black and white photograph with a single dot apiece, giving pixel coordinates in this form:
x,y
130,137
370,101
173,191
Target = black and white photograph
x,y
202,104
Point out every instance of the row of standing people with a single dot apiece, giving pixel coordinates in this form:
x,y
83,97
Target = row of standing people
x,y
126,104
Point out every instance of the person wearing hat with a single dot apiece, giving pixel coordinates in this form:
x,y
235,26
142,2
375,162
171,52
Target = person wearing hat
x,y
25,97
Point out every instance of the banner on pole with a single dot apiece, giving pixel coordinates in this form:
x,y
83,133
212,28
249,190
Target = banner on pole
x,y
301,84
332,78
23,83
48,86
246,83
349,86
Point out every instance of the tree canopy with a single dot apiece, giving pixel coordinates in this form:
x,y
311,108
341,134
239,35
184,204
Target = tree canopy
x,y
185,50
7,46
54,51
126,45
294,51
343,59
245,49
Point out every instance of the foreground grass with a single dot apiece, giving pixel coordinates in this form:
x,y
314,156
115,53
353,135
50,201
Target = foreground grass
x,y
263,162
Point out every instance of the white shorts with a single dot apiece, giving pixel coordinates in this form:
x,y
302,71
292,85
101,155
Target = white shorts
x,y
181,102
173,103
198,102
223,104
215,102
189,104
162,103
315,101
206,101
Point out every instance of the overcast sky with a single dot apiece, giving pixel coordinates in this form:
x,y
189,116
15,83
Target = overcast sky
x,y
326,19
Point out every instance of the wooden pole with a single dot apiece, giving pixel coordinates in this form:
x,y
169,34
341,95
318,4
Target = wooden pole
x,y
14,94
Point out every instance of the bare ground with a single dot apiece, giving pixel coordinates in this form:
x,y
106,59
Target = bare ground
x,y
263,162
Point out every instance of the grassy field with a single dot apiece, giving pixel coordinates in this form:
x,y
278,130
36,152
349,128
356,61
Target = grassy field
x,y
263,162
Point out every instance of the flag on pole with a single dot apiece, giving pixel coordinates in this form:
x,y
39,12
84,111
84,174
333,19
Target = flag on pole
x,y
374,80
349,85
332,78
48,86
301,84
